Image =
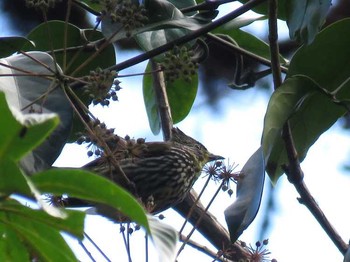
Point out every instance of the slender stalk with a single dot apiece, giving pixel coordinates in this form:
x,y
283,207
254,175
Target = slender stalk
x,y
86,251
293,171
97,247
203,249
162,100
197,199
200,219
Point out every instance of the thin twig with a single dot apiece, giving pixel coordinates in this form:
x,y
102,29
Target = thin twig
x,y
210,228
97,247
293,171
203,249
192,208
86,251
200,218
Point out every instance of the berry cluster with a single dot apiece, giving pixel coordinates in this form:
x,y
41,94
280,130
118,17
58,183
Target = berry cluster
x,y
102,86
41,4
103,133
179,63
130,14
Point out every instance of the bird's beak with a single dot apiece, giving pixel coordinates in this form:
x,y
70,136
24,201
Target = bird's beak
x,y
213,157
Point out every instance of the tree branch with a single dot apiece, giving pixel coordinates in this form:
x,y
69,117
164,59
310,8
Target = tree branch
x,y
195,34
293,171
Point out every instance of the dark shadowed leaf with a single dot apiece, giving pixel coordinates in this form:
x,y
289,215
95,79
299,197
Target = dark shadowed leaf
x,y
76,37
263,8
305,18
12,44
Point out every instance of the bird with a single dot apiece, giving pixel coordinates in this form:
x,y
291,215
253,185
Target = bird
x,y
161,174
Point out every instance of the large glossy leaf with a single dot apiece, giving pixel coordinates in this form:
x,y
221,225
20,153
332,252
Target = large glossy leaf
x,y
12,248
326,59
299,100
250,186
12,44
317,80
45,241
72,222
88,186
11,179
181,96
305,18
21,133
51,35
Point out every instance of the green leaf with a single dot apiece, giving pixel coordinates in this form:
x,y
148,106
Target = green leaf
x,y
150,101
76,37
72,222
325,60
95,5
46,241
305,18
12,248
12,179
312,98
181,96
12,44
89,186
247,41
18,137
310,111
263,8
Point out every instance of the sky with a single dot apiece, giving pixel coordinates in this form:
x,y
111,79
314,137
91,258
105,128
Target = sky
x,y
235,133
